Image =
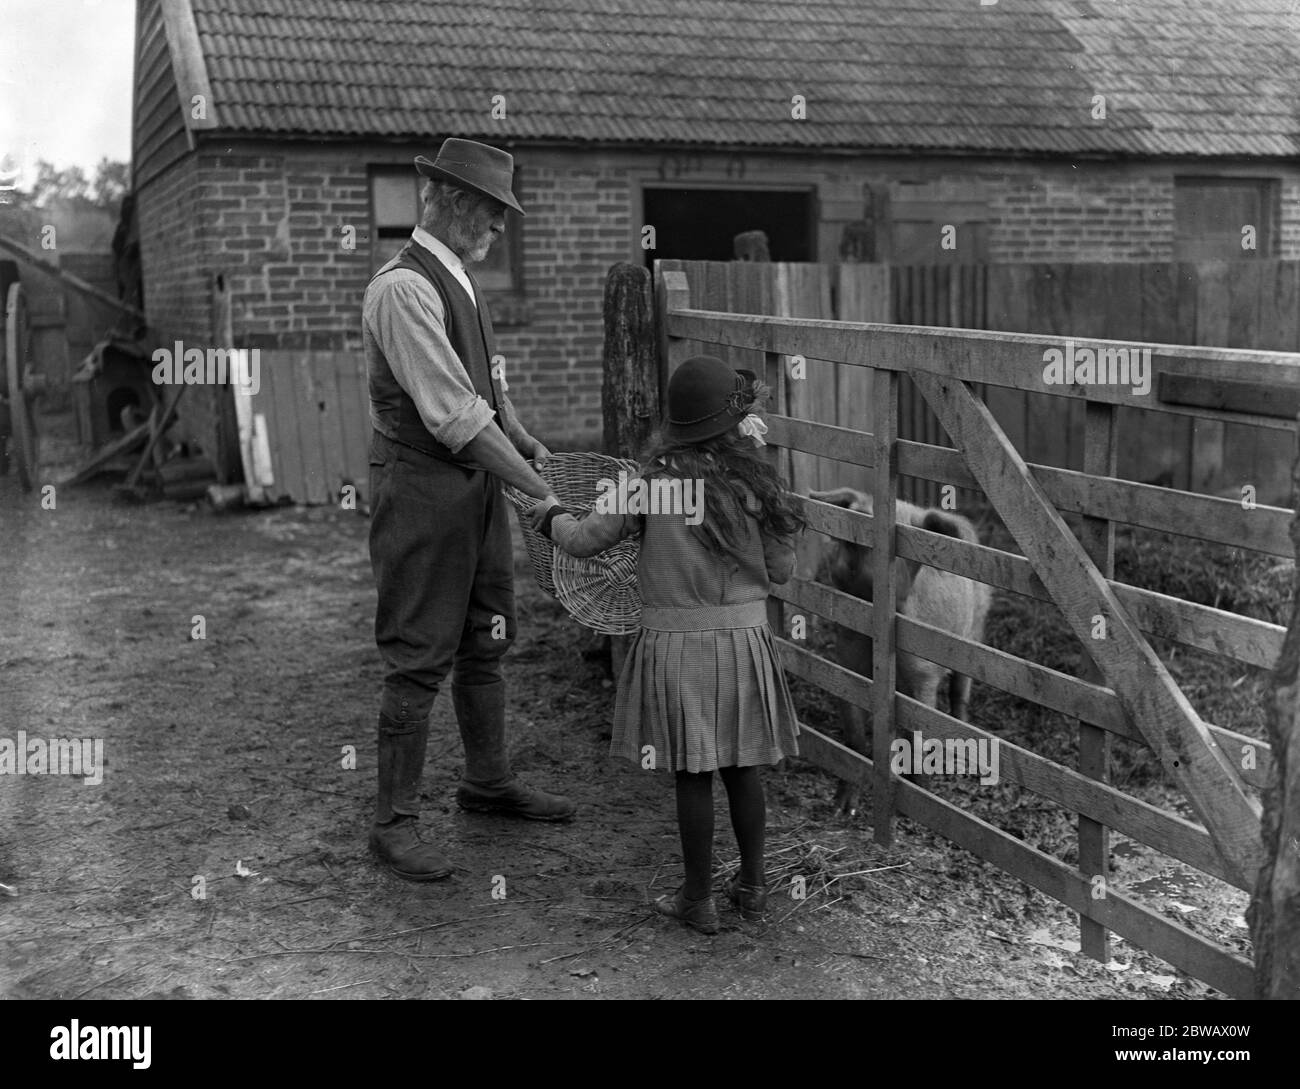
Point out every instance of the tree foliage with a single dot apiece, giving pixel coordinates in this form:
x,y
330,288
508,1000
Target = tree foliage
x,y
71,184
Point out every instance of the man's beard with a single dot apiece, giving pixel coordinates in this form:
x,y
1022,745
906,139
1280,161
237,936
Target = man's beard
x,y
470,248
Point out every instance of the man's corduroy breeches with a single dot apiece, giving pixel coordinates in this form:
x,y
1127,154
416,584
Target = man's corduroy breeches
x,y
440,549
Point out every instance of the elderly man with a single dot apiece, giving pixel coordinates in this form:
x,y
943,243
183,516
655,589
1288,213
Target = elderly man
x,y
445,435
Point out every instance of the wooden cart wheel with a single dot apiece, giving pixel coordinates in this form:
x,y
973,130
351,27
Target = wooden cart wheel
x,y
22,386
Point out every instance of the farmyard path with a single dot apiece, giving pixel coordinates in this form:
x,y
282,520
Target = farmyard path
x,y
99,601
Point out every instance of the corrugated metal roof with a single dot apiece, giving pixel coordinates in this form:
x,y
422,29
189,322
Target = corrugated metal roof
x,y
1199,77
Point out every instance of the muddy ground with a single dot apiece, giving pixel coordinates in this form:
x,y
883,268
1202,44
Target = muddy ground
x,y
226,755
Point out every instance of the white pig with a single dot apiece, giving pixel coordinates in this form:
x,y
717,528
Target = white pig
x,y
952,602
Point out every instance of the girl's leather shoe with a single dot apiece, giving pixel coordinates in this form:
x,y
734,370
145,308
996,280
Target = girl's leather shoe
x,y
750,900
699,915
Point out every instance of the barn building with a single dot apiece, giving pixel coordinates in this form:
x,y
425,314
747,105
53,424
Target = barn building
x,y
273,149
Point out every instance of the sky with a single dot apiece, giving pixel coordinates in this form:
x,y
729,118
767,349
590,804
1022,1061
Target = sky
x,y
65,81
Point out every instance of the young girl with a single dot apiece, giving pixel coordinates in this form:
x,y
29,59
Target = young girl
x,y
702,683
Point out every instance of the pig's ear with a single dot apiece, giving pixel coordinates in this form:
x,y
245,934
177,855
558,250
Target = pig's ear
x,y
841,497
938,522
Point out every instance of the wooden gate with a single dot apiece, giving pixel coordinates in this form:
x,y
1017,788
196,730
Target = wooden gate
x,y
1241,304
1220,772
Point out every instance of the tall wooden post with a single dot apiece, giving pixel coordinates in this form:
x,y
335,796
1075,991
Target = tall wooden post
x,y
1274,913
630,401
1097,535
884,662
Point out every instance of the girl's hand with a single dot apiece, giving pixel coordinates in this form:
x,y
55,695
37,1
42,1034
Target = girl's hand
x,y
538,512
538,453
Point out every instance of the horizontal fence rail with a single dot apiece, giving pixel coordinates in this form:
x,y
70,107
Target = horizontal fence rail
x,y
1049,688
1009,360
1261,528
1125,915
1242,638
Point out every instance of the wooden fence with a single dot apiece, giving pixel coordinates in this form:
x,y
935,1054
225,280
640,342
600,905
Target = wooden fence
x,y
311,416
1134,696
1242,304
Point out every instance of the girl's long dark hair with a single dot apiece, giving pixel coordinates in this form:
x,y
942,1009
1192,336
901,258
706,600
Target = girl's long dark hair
x,y
726,465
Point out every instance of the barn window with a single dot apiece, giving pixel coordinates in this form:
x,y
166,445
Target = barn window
x,y
395,210
1224,219
939,222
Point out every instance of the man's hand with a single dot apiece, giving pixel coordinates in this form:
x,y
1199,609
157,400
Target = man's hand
x,y
538,513
537,453
496,453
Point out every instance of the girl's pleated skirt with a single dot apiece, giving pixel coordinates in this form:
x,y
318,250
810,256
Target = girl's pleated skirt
x,y
704,687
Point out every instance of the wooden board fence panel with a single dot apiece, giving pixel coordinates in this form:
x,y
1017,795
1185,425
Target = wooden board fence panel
x,y
353,399
1153,445
864,295
1209,435
274,401
1007,307
316,408
1249,304
1247,451
317,437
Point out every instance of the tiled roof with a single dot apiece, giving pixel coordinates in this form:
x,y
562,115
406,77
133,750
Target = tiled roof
x,y
1180,77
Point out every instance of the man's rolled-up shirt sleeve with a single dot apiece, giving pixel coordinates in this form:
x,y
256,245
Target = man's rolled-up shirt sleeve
x,y
407,322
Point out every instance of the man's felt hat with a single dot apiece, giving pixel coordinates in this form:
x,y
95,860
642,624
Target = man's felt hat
x,y
707,397
473,166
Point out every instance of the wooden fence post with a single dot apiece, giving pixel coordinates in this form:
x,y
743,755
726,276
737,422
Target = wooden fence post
x,y
779,459
1274,913
630,400
884,392
630,391
1097,535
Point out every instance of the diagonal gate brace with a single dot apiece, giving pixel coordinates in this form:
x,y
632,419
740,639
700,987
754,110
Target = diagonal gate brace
x,y
1149,695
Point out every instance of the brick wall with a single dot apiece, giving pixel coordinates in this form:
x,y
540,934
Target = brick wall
x,y
1093,216
173,252
277,225
274,223
177,271
272,218
1289,228
1087,211
578,224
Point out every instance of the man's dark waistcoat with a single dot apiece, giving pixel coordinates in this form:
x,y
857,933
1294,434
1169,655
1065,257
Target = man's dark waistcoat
x,y
469,328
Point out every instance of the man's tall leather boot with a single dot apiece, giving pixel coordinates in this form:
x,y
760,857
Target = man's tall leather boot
x,y
393,837
488,785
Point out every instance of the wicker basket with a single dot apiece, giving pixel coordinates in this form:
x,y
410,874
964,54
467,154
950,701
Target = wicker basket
x,y
597,591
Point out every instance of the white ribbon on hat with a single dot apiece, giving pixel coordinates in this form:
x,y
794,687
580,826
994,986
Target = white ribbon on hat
x,y
753,427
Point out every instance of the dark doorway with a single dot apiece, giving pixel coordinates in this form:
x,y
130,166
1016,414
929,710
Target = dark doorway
x,y
699,224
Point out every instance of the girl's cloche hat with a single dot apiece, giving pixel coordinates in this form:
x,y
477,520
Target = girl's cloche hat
x,y
707,397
